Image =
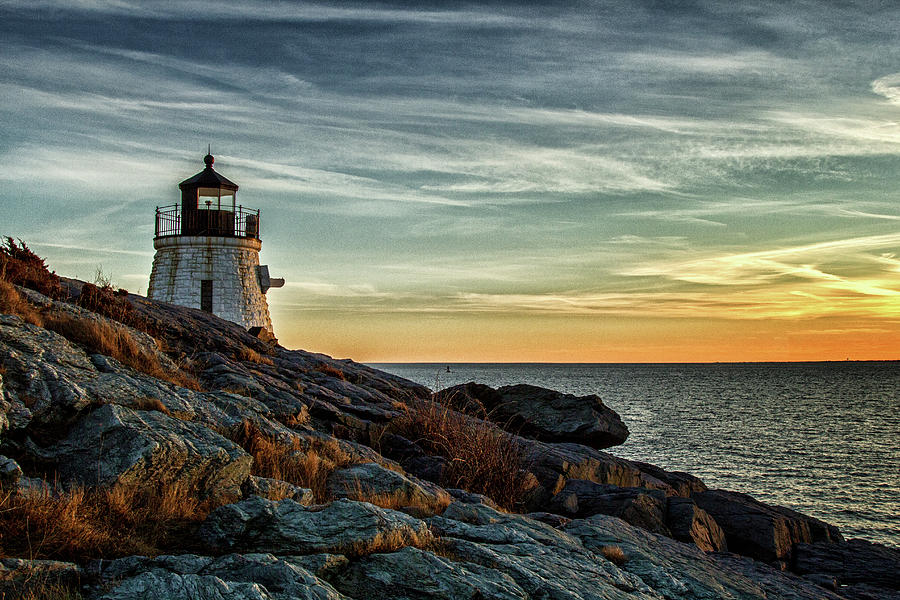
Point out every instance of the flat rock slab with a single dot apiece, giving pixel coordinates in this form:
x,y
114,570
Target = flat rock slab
x,y
673,569
853,561
286,527
115,445
774,582
413,573
544,414
232,576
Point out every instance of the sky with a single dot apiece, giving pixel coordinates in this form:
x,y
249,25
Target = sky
x,y
494,181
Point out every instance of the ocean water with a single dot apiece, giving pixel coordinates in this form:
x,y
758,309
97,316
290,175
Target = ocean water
x,y
821,438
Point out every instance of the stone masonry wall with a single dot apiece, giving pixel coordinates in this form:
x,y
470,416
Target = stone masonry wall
x,y
182,262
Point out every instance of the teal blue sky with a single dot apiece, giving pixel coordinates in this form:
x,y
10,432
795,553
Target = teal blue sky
x,y
485,181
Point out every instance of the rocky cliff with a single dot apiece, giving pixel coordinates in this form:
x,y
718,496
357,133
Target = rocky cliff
x,y
177,456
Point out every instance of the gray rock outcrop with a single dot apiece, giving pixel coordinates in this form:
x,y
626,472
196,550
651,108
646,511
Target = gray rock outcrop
x,y
286,527
115,445
412,573
762,531
639,506
94,420
690,523
229,577
366,480
851,562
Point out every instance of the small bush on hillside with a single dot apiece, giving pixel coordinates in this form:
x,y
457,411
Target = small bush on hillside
x,y
331,371
251,355
106,301
614,554
481,457
20,266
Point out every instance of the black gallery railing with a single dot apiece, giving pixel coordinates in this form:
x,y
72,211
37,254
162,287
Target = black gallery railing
x,y
240,222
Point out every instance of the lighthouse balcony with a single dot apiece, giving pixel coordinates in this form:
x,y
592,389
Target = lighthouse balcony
x,y
241,222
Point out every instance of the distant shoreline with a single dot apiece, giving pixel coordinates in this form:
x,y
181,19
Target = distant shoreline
x,y
669,364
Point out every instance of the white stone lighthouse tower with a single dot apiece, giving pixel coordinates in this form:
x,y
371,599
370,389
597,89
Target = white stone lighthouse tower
x,y
207,253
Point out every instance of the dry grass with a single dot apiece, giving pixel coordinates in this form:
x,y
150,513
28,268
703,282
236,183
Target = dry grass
x,y
44,590
406,500
303,467
331,371
90,522
251,355
390,542
12,303
481,457
117,342
296,420
614,554
147,403
95,335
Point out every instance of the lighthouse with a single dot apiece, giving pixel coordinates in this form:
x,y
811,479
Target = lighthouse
x,y
207,253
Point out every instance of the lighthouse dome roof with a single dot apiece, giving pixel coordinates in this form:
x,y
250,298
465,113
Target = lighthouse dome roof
x,y
208,178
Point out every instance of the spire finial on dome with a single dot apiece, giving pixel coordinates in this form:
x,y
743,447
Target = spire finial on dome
x,y
209,159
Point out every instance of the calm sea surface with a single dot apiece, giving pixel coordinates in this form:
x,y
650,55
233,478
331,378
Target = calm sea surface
x,y
822,438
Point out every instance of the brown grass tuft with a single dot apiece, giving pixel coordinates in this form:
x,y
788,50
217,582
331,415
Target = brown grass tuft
x,y
114,340
249,354
12,303
481,457
614,554
90,522
331,371
307,468
148,403
295,420
389,542
48,591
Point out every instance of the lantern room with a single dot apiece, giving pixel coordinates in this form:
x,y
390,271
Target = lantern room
x,y
208,207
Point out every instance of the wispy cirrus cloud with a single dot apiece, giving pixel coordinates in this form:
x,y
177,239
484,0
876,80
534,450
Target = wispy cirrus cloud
x,y
674,159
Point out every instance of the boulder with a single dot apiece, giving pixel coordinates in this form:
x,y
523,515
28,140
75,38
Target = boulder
x,y
544,414
554,464
275,489
639,506
762,531
114,445
367,480
286,527
10,472
413,573
853,561
690,523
